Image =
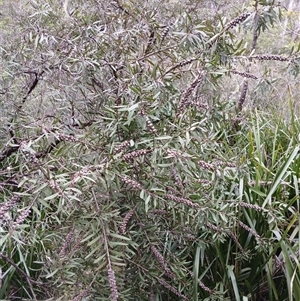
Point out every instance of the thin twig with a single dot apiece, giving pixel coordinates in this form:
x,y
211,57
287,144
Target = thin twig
x,y
28,279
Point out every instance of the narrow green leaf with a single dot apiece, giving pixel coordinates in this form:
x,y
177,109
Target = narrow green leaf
x,y
280,176
230,270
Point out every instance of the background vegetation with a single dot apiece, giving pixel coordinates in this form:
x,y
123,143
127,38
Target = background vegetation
x,y
149,150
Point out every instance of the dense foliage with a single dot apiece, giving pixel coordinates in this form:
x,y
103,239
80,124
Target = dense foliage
x,y
133,164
